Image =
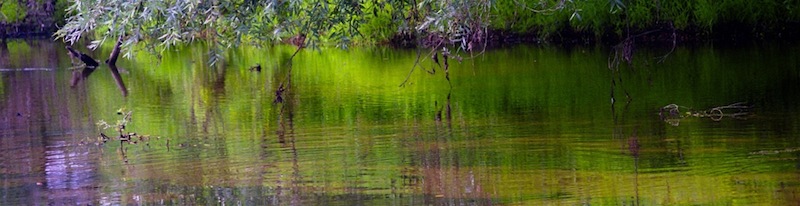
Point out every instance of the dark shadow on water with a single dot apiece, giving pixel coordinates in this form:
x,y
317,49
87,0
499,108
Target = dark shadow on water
x,y
118,80
4,54
436,168
79,75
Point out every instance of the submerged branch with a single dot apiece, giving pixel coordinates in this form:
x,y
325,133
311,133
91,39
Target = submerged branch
x,y
290,62
287,80
672,114
434,56
88,61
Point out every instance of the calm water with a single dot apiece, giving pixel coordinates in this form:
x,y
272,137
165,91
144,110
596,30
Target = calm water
x,y
516,126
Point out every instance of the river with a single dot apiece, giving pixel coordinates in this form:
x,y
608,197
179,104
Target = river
x,y
525,125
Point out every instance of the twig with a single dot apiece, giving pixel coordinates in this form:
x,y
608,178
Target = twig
x,y
416,62
614,60
671,112
289,62
672,49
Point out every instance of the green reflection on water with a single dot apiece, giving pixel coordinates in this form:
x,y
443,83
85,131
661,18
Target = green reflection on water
x,y
525,125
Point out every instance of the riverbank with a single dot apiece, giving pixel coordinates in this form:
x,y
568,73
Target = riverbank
x,y
526,125
26,19
473,23
497,38
664,35
610,22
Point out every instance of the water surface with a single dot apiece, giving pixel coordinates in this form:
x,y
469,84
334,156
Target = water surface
x,y
518,126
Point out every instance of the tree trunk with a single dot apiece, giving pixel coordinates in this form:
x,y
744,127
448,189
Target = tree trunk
x,y
112,58
112,64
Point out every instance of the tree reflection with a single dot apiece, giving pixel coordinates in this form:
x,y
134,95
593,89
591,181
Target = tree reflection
x,y
285,98
631,142
82,72
4,54
79,75
41,163
436,169
118,80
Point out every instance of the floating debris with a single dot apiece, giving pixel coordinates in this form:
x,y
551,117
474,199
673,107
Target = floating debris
x,y
256,68
672,114
120,127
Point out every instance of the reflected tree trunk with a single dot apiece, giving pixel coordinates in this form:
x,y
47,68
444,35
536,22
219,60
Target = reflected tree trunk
x,y
286,114
112,58
112,64
441,176
118,79
80,75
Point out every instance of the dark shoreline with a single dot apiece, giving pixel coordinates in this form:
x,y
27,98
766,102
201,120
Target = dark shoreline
x,y
24,31
662,35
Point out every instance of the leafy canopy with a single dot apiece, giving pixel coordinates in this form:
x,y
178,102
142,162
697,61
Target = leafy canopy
x,y
160,24
165,23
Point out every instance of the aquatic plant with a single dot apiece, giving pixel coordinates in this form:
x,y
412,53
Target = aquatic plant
x,y
120,126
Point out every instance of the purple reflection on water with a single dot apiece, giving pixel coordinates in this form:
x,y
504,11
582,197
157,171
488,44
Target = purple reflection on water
x,y
41,160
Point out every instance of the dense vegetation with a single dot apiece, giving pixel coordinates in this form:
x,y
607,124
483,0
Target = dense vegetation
x,y
615,16
433,23
11,11
20,18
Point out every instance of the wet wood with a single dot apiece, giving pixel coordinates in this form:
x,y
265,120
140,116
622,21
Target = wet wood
x,y
86,59
112,58
256,68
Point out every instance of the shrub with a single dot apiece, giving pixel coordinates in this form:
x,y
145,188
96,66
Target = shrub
x,y
12,12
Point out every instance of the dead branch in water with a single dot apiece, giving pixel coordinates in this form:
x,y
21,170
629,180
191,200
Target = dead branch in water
x,y
672,114
287,80
432,54
112,58
434,43
88,62
735,110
